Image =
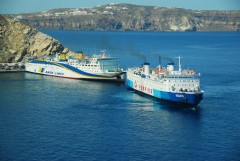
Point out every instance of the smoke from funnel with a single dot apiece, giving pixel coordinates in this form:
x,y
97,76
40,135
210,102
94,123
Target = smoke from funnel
x,y
139,55
161,58
168,59
129,49
133,52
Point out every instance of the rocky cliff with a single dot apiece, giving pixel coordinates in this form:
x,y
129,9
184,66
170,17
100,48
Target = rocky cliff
x,y
17,41
122,17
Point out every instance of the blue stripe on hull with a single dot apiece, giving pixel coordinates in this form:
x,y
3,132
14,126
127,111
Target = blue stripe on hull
x,y
129,83
192,99
87,74
74,69
77,70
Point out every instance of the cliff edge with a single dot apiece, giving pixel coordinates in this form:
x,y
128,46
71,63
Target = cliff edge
x,y
18,41
128,17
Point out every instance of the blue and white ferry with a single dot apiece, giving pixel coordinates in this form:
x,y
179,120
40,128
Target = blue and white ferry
x,y
79,66
182,86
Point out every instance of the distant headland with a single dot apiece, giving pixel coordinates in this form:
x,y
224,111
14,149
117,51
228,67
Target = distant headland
x,y
129,17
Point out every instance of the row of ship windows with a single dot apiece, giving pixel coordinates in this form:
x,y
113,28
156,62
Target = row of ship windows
x,y
86,68
91,71
176,77
90,65
183,85
184,81
52,67
85,65
45,66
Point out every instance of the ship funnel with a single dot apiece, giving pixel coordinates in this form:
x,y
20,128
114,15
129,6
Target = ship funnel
x,y
146,68
170,67
63,57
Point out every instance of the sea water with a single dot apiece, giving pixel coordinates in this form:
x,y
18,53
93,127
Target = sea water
x,y
49,118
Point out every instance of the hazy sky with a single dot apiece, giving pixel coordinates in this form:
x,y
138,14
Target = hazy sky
x,y
24,6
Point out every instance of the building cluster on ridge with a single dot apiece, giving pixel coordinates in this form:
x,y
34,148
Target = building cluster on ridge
x,y
129,17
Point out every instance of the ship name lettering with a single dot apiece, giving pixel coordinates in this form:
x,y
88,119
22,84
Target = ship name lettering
x,y
179,95
58,73
49,72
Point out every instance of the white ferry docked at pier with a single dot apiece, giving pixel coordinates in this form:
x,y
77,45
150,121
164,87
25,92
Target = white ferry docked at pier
x,y
79,66
182,86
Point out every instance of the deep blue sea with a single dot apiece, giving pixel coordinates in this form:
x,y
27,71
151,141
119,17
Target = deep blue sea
x,y
49,118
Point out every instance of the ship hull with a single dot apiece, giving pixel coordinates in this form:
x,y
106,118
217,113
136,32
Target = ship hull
x,y
68,71
192,99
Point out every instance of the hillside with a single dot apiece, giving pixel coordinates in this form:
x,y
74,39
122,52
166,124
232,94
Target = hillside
x,y
17,41
124,17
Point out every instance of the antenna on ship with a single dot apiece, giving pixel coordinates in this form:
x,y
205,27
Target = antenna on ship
x,y
159,59
179,63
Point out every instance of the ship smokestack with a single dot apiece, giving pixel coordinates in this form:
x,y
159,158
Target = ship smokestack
x,y
170,67
146,68
63,57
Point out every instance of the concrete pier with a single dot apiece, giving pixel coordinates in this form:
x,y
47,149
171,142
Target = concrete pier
x,y
12,67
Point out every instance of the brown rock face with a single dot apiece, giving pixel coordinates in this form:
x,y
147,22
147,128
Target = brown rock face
x,y
18,41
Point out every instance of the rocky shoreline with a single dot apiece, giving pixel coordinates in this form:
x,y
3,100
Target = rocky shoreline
x,y
19,41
